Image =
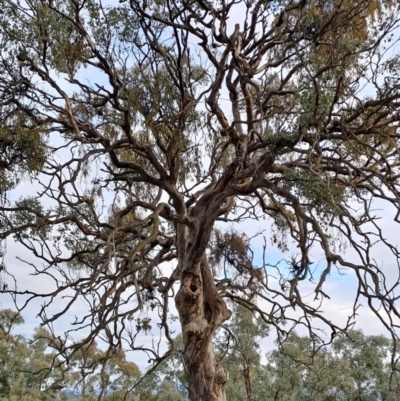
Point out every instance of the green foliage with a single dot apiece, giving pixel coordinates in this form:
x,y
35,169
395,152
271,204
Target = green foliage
x,y
322,196
353,368
30,370
300,373
27,370
23,153
238,346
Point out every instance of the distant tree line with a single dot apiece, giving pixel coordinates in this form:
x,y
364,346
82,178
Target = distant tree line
x,y
353,368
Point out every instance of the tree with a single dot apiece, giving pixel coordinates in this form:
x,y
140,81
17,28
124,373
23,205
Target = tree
x,y
367,357
28,372
31,371
240,354
96,375
354,367
164,120
9,345
297,372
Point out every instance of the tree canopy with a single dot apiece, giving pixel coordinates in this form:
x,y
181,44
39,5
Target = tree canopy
x,y
152,129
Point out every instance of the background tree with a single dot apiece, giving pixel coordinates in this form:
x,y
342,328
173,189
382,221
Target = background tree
x,y
240,353
353,368
367,357
297,372
94,375
29,371
161,120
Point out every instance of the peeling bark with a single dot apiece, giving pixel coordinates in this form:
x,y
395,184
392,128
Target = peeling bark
x,y
201,311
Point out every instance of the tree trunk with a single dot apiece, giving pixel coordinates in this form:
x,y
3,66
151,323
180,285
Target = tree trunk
x,y
201,311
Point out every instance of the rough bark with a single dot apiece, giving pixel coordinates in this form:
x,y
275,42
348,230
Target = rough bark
x,y
201,311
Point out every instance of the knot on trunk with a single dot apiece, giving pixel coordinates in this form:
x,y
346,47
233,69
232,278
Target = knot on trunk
x,y
221,376
191,285
189,301
201,311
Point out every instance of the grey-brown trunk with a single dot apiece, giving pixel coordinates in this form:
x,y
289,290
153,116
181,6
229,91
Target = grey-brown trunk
x,y
201,311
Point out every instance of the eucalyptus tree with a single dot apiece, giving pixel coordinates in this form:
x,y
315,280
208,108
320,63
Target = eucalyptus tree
x,y
162,120
240,354
299,373
13,350
28,371
354,367
367,359
98,375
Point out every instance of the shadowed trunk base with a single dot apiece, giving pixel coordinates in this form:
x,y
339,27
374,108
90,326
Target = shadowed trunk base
x,y
201,311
